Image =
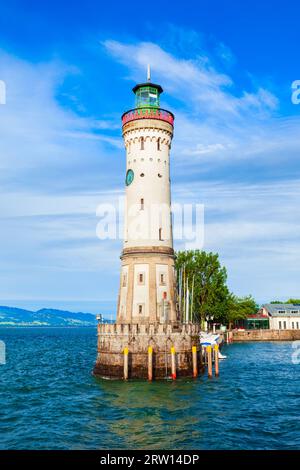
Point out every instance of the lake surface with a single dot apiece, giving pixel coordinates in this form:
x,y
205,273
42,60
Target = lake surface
x,y
50,400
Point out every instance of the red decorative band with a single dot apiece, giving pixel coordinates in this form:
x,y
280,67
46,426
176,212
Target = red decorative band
x,y
140,113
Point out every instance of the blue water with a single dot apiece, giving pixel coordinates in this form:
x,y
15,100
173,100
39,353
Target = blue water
x,y
50,400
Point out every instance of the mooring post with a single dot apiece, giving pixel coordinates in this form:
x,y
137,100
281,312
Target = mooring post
x,y
125,363
209,361
195,365
216,348
173,363
150,363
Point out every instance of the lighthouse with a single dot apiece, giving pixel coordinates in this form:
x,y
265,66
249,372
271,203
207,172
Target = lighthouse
x,y
147,283
148,339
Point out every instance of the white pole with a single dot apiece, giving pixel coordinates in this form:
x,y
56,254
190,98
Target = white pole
x,y
187,306
192,298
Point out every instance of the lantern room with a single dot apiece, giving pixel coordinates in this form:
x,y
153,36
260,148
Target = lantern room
x,y
147,95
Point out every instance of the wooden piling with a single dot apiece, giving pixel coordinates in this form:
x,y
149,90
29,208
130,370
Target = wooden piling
x,y
173,363
216,348
195,365
209,361
150,363
125,363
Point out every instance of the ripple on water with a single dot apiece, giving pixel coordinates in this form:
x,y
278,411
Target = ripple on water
x,y
50,400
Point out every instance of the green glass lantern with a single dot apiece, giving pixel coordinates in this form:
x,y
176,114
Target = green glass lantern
x,y
147,95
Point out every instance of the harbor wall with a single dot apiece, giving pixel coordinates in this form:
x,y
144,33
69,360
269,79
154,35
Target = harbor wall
x,y
266,335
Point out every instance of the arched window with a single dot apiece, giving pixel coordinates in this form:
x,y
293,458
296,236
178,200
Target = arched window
x,y
142,204
158,143
142,143
160,234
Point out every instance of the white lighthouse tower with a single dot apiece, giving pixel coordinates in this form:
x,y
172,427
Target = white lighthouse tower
x,y
147,286
148,339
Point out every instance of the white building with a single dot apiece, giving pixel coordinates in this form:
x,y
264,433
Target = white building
x,y
282,316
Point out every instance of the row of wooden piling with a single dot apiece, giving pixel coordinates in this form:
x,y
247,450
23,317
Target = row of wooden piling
x,y
209,357
212,354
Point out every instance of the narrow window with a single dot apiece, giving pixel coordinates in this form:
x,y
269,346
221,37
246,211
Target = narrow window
x,y
297,325
142,204
142,143
158,143
141,279
140,309
160,234
284,325
162,280
124,280
279,323
293,325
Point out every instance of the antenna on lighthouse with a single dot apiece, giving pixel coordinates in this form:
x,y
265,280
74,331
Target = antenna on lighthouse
x,y
148,73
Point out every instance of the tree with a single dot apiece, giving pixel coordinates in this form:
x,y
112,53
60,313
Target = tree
x,y
293,301
239,308
203,274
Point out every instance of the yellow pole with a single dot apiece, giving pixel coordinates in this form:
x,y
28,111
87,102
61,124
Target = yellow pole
x,y
216,348
150,363
209,361
173,363
125,363
195,365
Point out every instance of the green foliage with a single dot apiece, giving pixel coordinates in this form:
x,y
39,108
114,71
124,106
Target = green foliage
x,y
211,296
210,289
240,307
290,301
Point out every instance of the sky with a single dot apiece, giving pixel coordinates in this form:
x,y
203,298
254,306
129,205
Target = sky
x,y
227,70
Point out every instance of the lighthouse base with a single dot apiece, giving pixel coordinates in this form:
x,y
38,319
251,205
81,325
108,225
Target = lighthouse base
x,y
116,341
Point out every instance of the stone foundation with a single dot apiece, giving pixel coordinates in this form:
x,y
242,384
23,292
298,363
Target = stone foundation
x,y
114,338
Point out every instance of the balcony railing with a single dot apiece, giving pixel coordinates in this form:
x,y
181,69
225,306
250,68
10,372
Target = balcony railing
x,y
148,113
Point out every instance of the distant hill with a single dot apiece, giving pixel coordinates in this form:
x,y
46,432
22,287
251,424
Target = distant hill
x,y
11,316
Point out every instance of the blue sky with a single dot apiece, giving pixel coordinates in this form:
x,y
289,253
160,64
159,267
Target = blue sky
x,y
226,68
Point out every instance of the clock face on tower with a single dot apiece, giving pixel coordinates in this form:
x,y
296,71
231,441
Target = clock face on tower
x,y
129,177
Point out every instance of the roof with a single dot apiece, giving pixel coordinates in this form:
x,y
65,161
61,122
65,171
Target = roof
x,y
283,310
153,85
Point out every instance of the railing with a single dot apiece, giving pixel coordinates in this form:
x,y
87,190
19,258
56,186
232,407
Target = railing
x,y
148,113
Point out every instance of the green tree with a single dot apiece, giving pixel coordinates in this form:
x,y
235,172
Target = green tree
x,y
204,275
239,308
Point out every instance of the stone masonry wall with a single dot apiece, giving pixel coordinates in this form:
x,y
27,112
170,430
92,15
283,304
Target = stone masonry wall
x,y
114,338
266,335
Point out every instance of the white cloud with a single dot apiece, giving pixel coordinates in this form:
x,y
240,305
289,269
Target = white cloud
x,y
210,91
52,161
